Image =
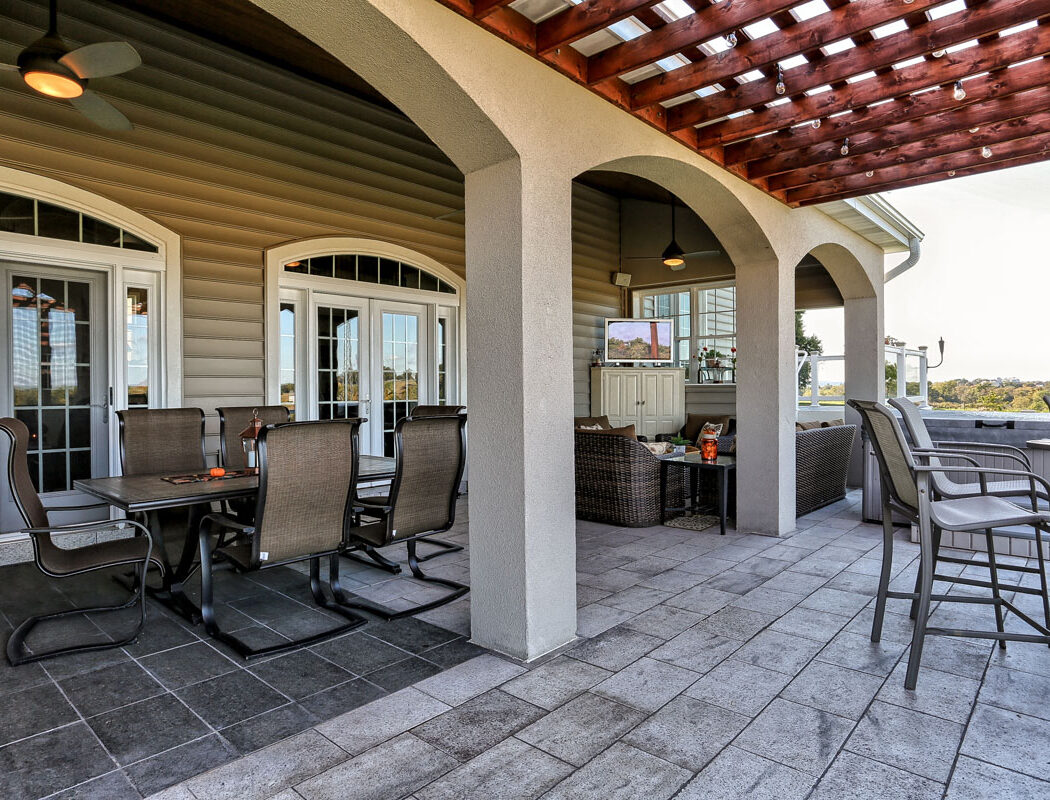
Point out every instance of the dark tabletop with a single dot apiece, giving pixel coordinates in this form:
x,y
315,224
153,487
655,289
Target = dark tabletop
x,y
149,492
696,460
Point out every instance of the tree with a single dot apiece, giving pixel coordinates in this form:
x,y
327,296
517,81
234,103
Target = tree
x,y
811,344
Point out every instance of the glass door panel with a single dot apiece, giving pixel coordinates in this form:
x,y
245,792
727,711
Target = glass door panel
x,y
402,341
338,362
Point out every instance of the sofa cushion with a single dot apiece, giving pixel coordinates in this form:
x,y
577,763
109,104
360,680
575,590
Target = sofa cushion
x,y
808,426
590,422
832,423
694,422
627,431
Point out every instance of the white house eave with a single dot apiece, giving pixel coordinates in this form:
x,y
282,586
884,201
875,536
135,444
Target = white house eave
x,y
876,220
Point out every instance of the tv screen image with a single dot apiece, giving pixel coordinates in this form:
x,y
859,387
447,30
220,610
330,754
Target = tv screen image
x,y
638,340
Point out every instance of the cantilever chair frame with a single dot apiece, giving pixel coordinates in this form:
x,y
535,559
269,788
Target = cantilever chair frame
x,y
211,522
930,529
438,411
15,649
386,514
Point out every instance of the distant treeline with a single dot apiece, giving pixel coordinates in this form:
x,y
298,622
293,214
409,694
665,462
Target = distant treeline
x,y
988,395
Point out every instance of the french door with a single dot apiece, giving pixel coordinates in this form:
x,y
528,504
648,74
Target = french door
x,y
54,376
362,357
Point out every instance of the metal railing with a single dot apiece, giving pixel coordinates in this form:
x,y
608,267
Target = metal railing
x,y
899,362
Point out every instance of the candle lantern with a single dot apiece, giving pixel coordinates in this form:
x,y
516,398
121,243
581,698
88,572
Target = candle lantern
x,y
250,442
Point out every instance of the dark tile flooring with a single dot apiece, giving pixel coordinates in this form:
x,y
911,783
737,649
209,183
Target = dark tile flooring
x,y
128,722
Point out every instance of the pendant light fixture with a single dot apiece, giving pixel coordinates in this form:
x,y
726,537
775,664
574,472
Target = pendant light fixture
x,y
731,39
958,92
781,87
844,150
673,255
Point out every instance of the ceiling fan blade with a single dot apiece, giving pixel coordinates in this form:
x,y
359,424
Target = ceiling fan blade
x,y
702,253
101,59
9,67
101,112
677,267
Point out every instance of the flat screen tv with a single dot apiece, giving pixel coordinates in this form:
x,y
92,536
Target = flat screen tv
x,y
645,340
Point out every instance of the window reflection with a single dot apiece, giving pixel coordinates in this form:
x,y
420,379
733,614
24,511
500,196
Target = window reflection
x,y
287,357
137,312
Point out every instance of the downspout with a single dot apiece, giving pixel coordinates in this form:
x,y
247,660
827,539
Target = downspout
x,y
914,252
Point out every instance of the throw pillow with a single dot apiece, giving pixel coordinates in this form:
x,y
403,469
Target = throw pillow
x,y
627,431
659,448
694,423
589,428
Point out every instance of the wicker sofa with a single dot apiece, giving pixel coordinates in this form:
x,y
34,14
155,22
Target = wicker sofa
x,y
618,481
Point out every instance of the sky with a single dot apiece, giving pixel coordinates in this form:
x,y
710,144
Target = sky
x,y
982,282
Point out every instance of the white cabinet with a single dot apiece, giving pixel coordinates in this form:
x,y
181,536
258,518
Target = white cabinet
x,y
651,399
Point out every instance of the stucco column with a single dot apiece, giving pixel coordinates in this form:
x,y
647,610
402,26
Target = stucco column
x,y
765,405
519,372
865,363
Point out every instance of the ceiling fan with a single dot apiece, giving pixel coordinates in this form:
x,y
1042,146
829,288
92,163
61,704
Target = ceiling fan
x,y
673,256
49,67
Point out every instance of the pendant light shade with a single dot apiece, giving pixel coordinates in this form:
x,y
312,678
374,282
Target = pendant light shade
x,y
673,255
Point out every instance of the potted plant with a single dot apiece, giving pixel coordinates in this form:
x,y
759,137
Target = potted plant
x,y
712,358
680,443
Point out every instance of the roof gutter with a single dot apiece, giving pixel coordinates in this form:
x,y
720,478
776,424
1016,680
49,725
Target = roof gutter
x,y
914,252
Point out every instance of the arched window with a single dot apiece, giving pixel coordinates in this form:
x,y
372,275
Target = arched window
x,y
32,217
370,269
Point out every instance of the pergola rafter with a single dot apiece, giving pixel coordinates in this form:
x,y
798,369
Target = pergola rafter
x,y
880,72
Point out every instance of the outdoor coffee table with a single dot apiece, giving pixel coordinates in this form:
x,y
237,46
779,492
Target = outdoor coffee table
x,y
149,494
695,463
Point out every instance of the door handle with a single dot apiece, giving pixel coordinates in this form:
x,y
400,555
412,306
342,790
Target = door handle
x,y
105,406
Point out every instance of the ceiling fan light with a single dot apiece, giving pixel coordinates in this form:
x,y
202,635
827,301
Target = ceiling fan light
x,y
673,255
53,84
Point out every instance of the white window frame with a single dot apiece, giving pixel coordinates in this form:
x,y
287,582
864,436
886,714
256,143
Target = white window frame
x,y
696,341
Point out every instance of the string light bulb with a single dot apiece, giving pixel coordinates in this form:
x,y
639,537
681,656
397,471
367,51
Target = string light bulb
x,y
781,86
938,53
951,173
958,92
869,174
975,129
815,123
731,39
845,147
986,152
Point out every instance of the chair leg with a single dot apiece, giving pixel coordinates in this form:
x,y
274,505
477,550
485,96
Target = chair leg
x,y
1042,576
925,589
936,534
353,601
377,559
993,574
445,547
884,574
17,653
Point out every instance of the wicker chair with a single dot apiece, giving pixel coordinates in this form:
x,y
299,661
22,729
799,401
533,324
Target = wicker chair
x,y
618,481
233,420
907,489
431,456
59,562
307,472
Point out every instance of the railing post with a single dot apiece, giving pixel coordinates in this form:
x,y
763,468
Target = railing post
x,y
814,375
924,382
902,373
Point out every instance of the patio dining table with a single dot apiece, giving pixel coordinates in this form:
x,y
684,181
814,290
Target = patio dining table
x,y
150,494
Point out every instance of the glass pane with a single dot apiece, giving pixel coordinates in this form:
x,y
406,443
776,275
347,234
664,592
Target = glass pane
x,y
409,277
338,378
287,356
442,364
17,214
428,282
368,269
130,241
346,268
95,231
53,429
54,472
25,341
56,222
389,272
137,357
322,265
295,266
400,371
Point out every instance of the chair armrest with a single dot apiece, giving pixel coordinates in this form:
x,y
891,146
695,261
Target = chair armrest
x,y
927,454
1017,451
982,471
85,507
959,453
88,526
222,521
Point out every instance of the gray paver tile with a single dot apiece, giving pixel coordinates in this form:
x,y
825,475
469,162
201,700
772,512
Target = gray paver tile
x,y
636,598
1017,691
460,683
266,772
768,601
687,732
780,652
861,778
908,740
368,725
646,684
702,599
813,742
470,729
666,622
976,780
614,649
512,770
696,650
735,623
795,583
937,693
829,687
582,728
809,623
556,682
393,769
739,775
739,686
597,618
1010,740
859,652
621,773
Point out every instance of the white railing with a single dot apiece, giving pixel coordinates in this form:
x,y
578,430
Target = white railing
x,y
918,390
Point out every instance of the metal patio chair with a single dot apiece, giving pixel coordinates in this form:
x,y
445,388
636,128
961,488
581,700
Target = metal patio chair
x,y
907,489
59,562
307,472
945,487
233,420
439,411
431,456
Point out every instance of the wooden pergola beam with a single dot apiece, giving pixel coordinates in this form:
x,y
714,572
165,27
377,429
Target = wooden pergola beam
x,y
685,34
482,8
991,135
1001,83
990,17
579,21
905,133
895,83
939,167
851,19
993,166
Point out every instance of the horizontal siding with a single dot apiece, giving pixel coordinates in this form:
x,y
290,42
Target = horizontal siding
x,y
595,256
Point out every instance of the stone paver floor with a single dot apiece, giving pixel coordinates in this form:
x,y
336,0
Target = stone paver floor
x,y
707,667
